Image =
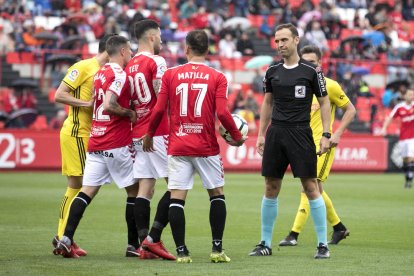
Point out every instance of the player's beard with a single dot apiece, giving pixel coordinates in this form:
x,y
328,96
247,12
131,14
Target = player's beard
x,y
157,49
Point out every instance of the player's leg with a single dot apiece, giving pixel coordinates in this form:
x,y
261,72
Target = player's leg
x,y
410,171
143,206
133,242
73,152
66,246
407,153
300,220
180,180
274,165
211,172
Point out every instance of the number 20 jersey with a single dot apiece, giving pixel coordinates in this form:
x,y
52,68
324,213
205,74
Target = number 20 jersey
x,y
141,70
192,90
110,131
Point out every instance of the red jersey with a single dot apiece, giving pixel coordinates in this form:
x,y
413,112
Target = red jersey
x,y
142,70
406,113
110,131
195,93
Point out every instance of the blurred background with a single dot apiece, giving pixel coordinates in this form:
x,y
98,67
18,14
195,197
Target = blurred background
x,y
368,47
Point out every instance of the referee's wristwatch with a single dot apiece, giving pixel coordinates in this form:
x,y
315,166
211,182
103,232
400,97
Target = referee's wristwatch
x,y
326,135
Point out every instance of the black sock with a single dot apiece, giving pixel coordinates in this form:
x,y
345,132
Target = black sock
x,y
177,221
294,234
79,204
130,220
161,217
339,227
142,217
409,172
217,220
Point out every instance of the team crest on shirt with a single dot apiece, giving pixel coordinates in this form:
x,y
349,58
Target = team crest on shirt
x,y
300,91
73,75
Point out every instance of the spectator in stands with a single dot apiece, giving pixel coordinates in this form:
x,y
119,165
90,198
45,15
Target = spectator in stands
x,y
199,20
240,7
257,82
251,104
165,16
29,42
316,36
111,26
6,42
95,19
245,45
187,9
408,10
215,21
227,47
390,97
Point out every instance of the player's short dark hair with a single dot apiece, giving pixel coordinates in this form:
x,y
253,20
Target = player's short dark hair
x,y
197,41
114,43
289,26
311,49
141,27
102,42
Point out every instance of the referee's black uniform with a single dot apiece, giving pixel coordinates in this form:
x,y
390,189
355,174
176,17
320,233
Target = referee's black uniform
x,y
289,137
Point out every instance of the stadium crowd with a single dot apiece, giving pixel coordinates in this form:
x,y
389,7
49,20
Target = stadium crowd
x,y
375,35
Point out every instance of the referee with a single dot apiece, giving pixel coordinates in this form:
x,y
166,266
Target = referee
x,y
289,86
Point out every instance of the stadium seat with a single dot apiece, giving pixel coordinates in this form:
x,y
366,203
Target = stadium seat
x,y
12,57
40,123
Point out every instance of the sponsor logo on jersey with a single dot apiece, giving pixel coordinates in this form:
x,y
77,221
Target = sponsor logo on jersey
x,y
300,91
162,69
180,131
73,75
104,153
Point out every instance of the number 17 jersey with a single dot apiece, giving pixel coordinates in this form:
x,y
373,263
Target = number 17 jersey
x,y
192,90
142,70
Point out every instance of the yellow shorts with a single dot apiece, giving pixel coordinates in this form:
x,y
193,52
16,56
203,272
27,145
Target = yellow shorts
x,y
73,150
325,164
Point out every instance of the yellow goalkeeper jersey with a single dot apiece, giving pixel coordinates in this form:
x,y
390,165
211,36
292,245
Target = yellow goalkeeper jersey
x,y
80,79
337,97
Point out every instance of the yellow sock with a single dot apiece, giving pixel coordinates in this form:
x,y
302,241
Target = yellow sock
x,y
302,214
331,214
64,209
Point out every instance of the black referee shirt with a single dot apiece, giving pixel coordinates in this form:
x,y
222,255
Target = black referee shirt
x,y
293,90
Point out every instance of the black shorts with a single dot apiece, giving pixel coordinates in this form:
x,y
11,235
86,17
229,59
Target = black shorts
x,y
289,145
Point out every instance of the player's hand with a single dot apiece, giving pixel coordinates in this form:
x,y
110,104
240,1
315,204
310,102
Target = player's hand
x,y
334,141
147,143
133,116
323,146
260,144
91,102
238,143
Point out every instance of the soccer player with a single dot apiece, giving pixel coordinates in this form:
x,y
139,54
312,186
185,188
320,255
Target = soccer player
x,y
194,93
145,71
109,148
405,111
76,91
289,86
337,98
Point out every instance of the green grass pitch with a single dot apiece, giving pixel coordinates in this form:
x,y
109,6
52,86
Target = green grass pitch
x,y
376,208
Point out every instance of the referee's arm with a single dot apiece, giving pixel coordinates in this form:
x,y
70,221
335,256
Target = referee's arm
x,y
265,115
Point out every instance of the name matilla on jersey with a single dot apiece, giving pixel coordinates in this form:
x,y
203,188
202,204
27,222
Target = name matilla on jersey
x,y
193,75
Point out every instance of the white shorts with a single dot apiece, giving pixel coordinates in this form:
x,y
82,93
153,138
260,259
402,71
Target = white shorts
x,y
407,148
151,164
181,170
103,167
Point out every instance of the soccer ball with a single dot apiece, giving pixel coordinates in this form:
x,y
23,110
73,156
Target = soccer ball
x,y
241,125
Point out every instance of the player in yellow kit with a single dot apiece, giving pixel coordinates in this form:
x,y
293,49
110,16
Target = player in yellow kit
x,y
76,90
337,98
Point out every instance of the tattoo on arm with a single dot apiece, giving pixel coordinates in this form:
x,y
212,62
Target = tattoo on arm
x,y
114,108
157,85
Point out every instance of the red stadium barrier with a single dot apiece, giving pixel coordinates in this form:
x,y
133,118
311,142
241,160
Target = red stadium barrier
x,y
29,150
40,150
